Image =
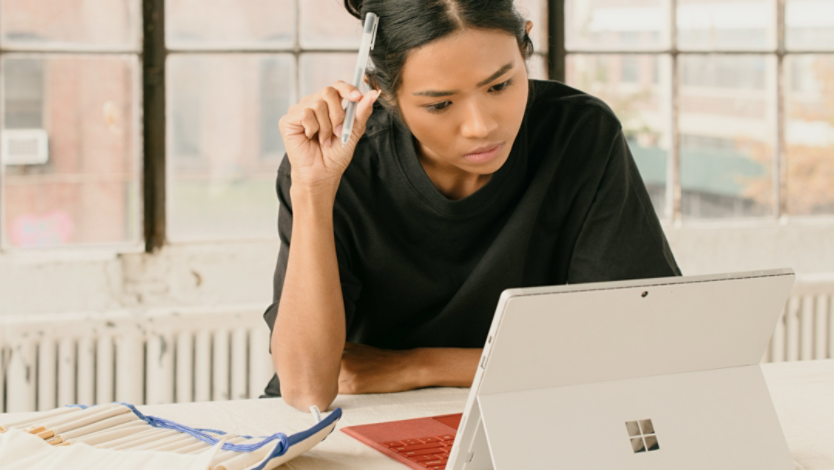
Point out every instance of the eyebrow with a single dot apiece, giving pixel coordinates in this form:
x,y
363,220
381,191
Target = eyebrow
x,y
436,93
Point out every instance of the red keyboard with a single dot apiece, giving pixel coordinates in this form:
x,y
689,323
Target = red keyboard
x,y
429,452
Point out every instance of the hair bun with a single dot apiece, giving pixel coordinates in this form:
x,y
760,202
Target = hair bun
x,y
354,7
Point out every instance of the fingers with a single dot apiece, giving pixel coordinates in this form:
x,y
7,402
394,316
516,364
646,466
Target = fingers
x,y
347,91
363,111
325,127
334,103
310,122
323,117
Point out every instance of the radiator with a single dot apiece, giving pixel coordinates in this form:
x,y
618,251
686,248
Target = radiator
x,y
806,329
156,357
186,355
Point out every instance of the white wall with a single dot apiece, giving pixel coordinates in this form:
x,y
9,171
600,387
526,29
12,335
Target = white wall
x,y
807,246
178,275
241,272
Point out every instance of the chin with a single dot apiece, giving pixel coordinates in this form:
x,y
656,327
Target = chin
x,y
490,167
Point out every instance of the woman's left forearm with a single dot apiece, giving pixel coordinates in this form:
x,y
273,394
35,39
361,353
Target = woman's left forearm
x,y
446,367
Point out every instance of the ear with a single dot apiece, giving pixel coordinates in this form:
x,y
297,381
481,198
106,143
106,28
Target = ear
x,y
528,27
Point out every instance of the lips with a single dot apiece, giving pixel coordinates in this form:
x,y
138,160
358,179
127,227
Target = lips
x,y
484,153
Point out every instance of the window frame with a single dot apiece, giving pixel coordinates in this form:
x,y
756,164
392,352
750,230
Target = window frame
x,y
156,52
135,52
152,92
779,165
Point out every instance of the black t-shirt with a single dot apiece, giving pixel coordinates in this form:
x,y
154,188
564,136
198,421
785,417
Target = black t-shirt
x,y
420,270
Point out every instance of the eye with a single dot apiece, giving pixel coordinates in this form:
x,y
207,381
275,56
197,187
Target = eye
x,y
501,86
438,107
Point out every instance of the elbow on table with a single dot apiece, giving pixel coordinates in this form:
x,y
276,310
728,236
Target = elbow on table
x,y
302,398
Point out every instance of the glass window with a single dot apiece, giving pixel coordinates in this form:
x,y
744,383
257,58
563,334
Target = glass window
x,y
726,25
70,24
636,87
230,24
537,67
809,134
727,128
224,144
325,24
70,150
809,25
535,11
616,24
322,69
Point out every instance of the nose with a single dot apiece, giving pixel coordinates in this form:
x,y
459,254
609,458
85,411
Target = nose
x,y
478,123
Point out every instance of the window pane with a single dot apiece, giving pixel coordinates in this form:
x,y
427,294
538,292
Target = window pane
x,y
809,25
322,69
535,11
809,134
727,123
616,24
71,150
230,24
63,24
637,88
723,25
537,67
224,146
325,24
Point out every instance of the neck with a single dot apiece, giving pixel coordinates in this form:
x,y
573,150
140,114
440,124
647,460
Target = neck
x,y
450,181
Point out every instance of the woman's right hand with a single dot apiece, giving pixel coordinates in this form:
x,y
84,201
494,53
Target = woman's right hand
x,y
312,132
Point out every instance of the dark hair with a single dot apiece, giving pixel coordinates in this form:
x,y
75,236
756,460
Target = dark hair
x,y
409,24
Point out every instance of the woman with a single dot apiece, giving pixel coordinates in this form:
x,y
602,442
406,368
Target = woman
x,y
462,178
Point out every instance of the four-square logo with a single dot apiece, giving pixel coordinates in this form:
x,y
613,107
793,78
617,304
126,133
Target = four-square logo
x,y
642,435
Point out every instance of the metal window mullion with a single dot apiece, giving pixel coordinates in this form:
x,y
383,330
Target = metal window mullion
x,y
673,179
154,181
73,51
779,158
681,52
556,53
297,49
2,167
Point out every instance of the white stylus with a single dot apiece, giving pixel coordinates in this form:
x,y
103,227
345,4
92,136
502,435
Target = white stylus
x,y
368,38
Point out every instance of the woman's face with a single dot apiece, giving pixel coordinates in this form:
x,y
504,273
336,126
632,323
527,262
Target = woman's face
x,y
463,97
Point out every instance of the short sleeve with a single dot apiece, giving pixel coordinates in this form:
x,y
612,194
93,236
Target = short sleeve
x,y
351,286
621,237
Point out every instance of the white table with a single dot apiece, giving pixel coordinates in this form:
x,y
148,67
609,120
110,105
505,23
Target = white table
x,y
803,393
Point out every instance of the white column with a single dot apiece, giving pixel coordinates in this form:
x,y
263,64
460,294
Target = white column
x,y
47,374
184,368
66,372
202,366
130,379
86,380
21,377
105,364
220,365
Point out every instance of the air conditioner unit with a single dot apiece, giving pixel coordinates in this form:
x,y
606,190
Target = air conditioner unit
x,y
24,146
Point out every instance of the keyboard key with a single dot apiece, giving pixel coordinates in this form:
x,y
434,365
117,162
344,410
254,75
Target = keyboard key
x,y
421,458
431,439
409,453
429,445
393,444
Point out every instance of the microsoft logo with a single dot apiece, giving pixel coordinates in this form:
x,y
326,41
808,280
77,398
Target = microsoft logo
x,y
642,435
